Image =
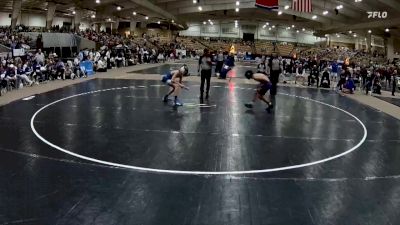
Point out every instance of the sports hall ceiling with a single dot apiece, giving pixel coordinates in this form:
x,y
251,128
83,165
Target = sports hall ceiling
x,y
353,15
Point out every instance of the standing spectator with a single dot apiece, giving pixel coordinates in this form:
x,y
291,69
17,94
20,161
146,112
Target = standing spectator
x,y
220,63
394,80
39,57
205,66
275,65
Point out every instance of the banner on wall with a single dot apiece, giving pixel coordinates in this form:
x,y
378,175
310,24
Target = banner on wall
x,y
87,66
18,52
180,52
268,4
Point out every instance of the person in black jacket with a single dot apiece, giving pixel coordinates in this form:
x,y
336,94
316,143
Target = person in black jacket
x,y
314,75
394,75
205,65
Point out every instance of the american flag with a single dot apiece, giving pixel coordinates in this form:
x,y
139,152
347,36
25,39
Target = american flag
x,y
302,6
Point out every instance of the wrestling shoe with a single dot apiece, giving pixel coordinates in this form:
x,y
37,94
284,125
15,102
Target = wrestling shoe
x,y
249,105
178,103
165,99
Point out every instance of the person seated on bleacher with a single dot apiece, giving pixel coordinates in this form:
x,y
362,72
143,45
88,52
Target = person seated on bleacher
x,y
349,87
325,79
36,72
101,66
314,76
10,75
22,76
60,70
69,73
262,67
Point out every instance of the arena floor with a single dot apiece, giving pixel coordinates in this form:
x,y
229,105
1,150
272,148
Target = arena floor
x,y
108,151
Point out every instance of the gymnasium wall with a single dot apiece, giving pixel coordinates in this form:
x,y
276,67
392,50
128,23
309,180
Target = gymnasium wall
x,y
228,30
32,20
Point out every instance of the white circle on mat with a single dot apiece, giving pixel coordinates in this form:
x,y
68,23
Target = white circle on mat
x,y
187,172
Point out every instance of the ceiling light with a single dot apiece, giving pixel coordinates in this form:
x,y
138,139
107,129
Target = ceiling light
x,y
304,29
134,13
200,8
297,31
97,1
204,22
288,28
237,3
109,19
194,1
338,36
279,12
93,16
237,9
73,12
146,17
387,30
287,7
325,12
339,7
355,35
326,35
369,31
269,28
357,0
292,26
267,23
273,26
119,8
264,26
172,21
158,22
350,31
314,17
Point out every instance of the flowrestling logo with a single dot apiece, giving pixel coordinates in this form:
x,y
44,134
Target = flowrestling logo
x,y
378,15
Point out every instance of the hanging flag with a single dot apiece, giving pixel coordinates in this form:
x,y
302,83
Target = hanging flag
x,y
267,4
302,6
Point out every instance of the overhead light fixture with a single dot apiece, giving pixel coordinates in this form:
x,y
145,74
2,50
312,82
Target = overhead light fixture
x,y
288,28
109,19
172,21
158,22
293,26
279,13
269,28
273,26
354,35
267,23
357,0
297,31
146,17
237,3
369,31
119,8
304,29
387,30
93,16
325,12
287,7
73,12
326,35
338,36
264,26
98,1
314,17
134,13
194,1
200,8
237,9
204,22
350,31
339,7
